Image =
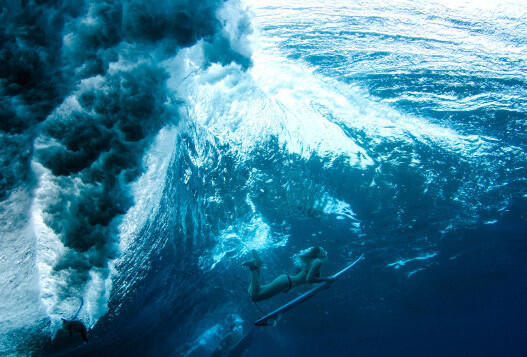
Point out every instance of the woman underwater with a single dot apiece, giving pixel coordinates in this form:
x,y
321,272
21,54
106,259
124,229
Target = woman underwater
x,y
308,263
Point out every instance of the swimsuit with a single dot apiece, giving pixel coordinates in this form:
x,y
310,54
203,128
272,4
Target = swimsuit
x,y
290,283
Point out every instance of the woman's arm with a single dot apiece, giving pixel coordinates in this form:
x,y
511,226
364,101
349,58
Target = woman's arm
x,y
322,279
313,276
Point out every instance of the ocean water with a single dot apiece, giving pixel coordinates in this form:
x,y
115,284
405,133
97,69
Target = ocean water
x,y
147,148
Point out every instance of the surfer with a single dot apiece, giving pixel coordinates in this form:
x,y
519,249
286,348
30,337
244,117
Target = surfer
x,y
307,262
75,325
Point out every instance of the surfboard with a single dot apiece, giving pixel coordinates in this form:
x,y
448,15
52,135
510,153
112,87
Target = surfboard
x,y
273,316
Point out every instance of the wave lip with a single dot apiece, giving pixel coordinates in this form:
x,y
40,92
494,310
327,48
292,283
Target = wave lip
x,y
88,152
84,87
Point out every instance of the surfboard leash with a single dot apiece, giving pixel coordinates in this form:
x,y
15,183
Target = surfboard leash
x,y
258,307
79,309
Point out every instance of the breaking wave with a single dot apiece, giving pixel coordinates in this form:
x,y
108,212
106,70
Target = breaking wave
x,y
147,148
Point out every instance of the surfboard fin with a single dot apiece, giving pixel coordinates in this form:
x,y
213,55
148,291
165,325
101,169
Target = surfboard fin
x,y
278,318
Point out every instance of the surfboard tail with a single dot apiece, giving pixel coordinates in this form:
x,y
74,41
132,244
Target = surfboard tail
x,y
269,321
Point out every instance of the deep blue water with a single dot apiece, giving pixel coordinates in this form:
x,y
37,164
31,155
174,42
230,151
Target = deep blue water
x,y
469,306
147,149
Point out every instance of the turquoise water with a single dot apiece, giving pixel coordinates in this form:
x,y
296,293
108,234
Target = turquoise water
x,y
148,149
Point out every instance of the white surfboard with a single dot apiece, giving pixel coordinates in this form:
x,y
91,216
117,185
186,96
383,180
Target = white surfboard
x,y
273,316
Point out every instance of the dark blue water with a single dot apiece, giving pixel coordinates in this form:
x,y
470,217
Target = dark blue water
x,y
146,150
470,305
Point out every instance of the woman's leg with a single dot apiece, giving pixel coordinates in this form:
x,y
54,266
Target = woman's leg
x,y
254,266
278,285
254,285
261,292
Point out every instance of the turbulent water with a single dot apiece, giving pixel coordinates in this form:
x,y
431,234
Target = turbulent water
x,y
147,148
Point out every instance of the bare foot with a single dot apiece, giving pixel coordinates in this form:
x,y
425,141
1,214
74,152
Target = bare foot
x,y
255,263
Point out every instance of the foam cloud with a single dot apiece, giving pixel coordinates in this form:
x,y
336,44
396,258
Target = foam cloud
x,y
94,147
83,94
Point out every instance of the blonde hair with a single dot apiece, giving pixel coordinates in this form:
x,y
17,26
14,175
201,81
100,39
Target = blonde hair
x,y
306,256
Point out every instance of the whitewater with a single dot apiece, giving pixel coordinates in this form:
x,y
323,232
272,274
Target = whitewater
x,y
147,149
